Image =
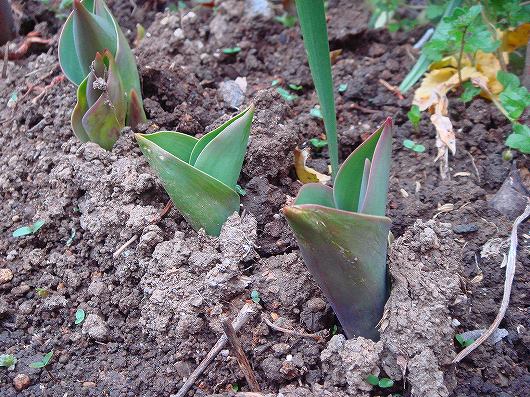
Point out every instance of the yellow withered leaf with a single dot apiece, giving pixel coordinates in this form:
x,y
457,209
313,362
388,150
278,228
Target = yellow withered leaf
x,y
304,173
513,39
427,94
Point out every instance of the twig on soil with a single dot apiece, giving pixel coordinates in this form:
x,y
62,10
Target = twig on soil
x,y
56,80
29,40
316,337
363,109
510,272
242,318
391,88
124,246
474,166
241,356
153,221
4,66
32,86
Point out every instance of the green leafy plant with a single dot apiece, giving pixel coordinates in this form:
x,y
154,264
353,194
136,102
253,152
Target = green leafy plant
x,y
79,316
519,138
43,362
414,116
416,147
231,50
26,230
286,94
286,20
318,143
466,34
342,231
423,61
254,295
316,113
383,383
342,87
514,98
95,56
9,361
200,175
462,341
42,292
470,92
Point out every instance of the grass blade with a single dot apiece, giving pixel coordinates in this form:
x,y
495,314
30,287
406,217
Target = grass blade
x,y
312,17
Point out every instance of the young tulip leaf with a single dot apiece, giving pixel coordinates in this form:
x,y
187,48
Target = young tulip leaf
x,y
206,139
203,201
364,182
135,114
349,178
315,193
345,250
203,190
103,121
375,199
92,34
90,41
346,253
178,144
81,107
223,156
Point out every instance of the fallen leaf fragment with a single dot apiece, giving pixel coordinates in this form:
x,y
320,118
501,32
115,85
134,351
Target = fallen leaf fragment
x,y
304,173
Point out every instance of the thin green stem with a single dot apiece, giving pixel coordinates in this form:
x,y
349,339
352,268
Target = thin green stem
x,y
460,54
493,32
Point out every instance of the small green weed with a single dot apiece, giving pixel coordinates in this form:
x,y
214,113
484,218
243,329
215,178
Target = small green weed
x,y
26,230
44,361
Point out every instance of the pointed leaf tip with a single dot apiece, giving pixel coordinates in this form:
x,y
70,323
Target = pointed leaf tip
x,y
376,198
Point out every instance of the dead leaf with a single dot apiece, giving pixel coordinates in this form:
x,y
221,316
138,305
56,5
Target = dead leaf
x,y
445,133
334,55
306,174
511,40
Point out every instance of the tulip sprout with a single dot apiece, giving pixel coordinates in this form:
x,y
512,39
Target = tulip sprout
x,y
95,56
342,231
200,175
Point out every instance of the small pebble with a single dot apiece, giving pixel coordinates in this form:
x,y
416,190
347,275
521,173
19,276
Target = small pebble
x,y
21,382
89,384
20,290
316,304
96,328
6,275
465,228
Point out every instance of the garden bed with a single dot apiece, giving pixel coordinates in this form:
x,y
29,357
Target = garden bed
x,y
155,309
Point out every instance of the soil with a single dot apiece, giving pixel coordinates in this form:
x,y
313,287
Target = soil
x,y
155,310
